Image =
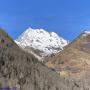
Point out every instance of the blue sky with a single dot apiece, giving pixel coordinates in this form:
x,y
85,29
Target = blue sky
x,y
66,17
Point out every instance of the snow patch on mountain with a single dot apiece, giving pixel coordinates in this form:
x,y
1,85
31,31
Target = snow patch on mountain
x,y
86,33
47,42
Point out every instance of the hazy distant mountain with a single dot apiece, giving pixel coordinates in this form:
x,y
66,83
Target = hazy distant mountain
x,y
42,43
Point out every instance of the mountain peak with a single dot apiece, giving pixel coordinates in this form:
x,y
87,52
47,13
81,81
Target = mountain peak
x,y
35,30
86,33
46,42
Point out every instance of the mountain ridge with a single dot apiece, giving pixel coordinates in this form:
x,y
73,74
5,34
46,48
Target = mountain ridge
x,y
23,71
74,60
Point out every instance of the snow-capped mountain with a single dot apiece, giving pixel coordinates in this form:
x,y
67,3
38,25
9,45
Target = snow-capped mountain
x,y
40,39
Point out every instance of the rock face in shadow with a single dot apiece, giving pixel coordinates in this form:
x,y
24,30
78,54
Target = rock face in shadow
x,y
22,70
